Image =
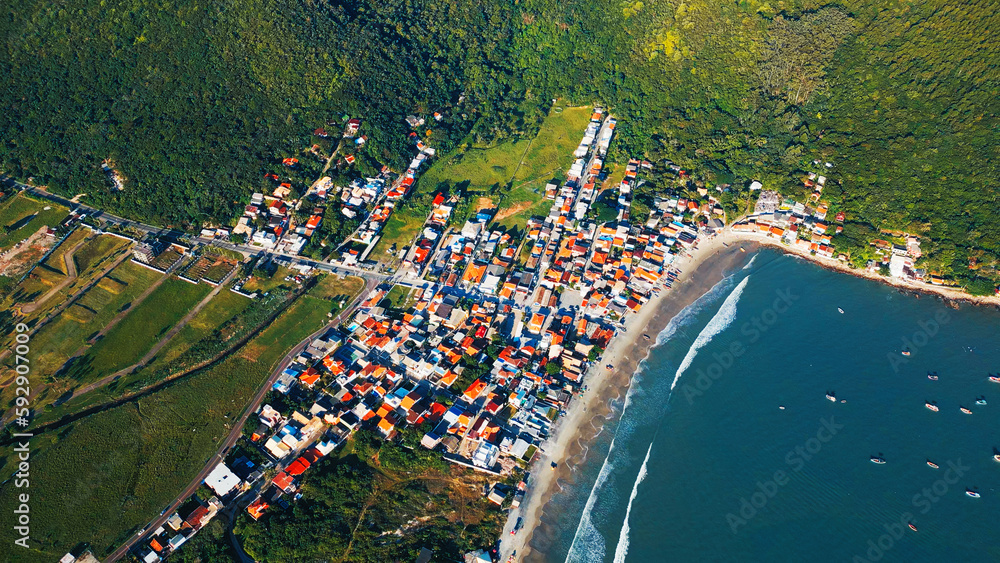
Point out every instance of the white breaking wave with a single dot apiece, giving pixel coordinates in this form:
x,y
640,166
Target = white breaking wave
x,y
622,549
719,323
750,263
588,543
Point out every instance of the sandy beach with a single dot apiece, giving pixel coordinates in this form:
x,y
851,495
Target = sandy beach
x,y
568,445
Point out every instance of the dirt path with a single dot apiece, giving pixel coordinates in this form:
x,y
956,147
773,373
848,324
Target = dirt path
x,y
159,344
59,309
71,275
138,301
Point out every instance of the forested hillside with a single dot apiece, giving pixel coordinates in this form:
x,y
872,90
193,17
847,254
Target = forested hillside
x,y
195,101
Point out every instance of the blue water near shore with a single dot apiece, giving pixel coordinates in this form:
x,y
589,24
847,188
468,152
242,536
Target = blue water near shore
x,y
703,465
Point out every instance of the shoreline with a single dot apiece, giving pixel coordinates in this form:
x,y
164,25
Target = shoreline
x,y
568,445
945,292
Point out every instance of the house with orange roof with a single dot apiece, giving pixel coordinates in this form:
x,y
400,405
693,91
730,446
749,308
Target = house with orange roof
x,y
474,390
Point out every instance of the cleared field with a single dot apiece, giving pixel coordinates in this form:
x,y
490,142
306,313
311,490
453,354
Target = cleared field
x,y
141,328
397,298
56,341
56,260
333,289
220,309
23,215
38,283
399,230
521,203
527,165
262,284
123,465
95,252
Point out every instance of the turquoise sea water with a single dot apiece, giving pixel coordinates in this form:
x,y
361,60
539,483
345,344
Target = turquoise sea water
x,y
714,470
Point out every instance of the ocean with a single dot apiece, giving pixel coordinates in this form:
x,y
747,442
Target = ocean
x,y
700,462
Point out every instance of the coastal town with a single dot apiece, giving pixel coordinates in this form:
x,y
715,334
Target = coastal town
x,y
480,339
481,350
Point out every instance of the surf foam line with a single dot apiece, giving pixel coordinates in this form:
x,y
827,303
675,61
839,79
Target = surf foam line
x,y
622,549
719,323
750,263
588,543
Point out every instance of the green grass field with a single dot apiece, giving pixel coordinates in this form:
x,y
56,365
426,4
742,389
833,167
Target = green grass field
x,y
56,260
397,298
331,288
103,477
56,341
17,209
95,252
91,258
527,165
220,309
260,284
141,328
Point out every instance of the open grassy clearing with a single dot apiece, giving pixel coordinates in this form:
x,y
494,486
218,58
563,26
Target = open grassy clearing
x,y
399,230
172,359
61,337
93,257
479,169
15,224
521,203
56,260
261,284
95,252
331,288
220,309
123,465
398,298
134,335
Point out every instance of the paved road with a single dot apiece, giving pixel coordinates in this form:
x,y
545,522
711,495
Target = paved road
x,y
155,230
237,428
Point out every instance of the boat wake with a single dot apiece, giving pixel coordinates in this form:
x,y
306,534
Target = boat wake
x,y
622,549
719,323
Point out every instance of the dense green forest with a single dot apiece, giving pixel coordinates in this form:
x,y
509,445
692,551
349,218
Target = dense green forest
x,y
194,102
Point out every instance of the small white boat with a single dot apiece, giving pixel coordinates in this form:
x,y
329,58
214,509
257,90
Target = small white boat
x,y
972,493
879,460
831,397
932,407
841,310
932,464
965,410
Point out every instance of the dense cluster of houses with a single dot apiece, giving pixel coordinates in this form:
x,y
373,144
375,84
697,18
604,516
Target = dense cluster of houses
x,y
381,195
485,359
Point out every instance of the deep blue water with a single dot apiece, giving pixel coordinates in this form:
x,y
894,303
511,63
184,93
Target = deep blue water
x,y
729,476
